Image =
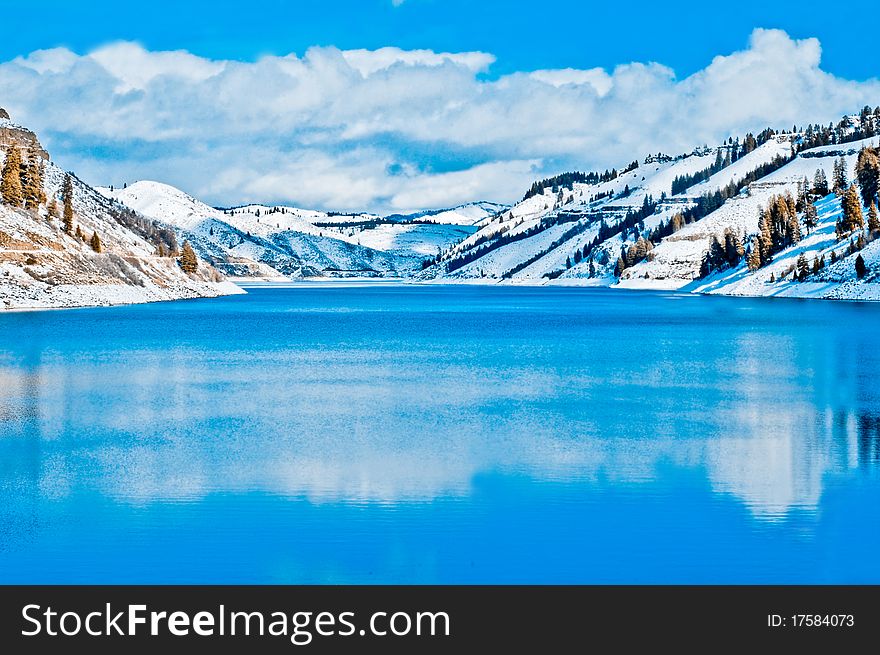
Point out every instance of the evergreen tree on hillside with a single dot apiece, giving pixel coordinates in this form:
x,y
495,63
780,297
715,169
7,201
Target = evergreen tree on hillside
x,y
868,175
32,180
778,228
67,200
733,248
811,217
851,219
841,176
873,220
753,259
861,269
820,183
188,260
676,223
10,185
765,238
52,208
95,243
803,268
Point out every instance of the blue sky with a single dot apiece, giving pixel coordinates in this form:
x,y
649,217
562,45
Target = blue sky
x,y
368,105
523,35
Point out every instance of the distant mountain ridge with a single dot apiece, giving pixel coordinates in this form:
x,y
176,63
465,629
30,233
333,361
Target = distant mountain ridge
x,y
277,240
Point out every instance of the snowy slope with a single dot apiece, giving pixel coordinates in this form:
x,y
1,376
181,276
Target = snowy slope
x,y
469,213
273,241
41,266
575,233
676,260
837,281
576,213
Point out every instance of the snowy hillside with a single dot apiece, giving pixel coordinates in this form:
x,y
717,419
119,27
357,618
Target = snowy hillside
x,y
835,281
536,236
470,213
274,241
677,259
651,225
43,266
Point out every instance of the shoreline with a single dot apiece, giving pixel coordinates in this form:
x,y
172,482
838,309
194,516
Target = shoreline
x,y
111,295
849,291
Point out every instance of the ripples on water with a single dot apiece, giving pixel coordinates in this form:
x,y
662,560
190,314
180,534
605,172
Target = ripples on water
x,y
436,434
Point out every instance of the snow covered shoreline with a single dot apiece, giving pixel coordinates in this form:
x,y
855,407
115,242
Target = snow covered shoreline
x,y
849,291
38,297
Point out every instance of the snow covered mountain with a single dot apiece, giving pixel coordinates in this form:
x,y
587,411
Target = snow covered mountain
x,y
108,255
470,213
274,241
652,225
696,222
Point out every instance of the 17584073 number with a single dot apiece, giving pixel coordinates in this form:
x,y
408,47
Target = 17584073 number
x,y
811,621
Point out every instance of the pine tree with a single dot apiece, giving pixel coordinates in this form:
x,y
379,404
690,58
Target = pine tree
x,y
792,229
79,234
792,204
841,176
188,260
861,269
803,268
753,259
816,265
162,252
873,220
714,258
820,183
811,217
67,199
677,222
95,243
32,180
765,238
851,219
868,175
52,208
733,248
10,185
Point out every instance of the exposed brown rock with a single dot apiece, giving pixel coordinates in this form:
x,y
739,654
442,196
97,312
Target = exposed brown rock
x,y
19,136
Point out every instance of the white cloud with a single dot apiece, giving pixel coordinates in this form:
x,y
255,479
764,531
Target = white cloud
x,y
368,62
594,77
391,129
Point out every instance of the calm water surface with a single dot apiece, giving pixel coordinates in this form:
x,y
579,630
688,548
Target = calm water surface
x,y
403,434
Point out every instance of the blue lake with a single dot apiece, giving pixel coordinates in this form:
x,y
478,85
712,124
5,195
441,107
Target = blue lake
x,y
413,434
